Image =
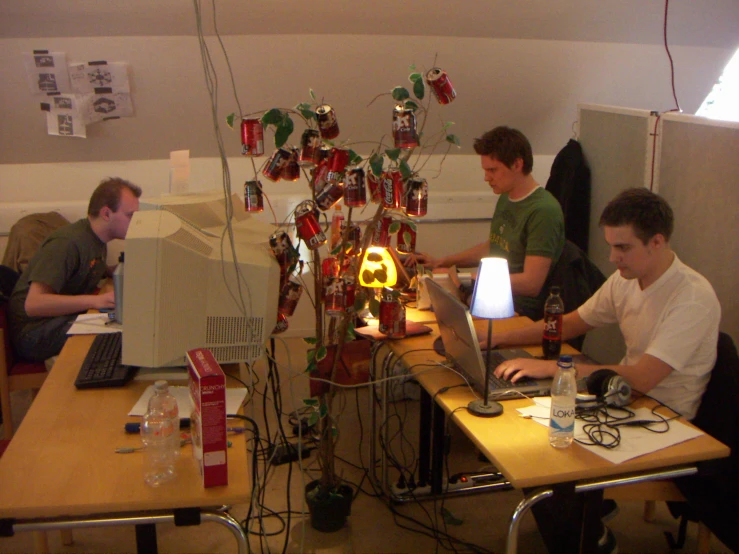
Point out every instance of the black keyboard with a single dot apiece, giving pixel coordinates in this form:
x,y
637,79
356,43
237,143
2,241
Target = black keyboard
x,y
102,366
496,358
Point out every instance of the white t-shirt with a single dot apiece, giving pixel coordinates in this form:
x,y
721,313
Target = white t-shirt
x,y
675,319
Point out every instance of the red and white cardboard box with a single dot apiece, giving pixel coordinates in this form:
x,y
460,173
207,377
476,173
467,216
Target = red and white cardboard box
x,y
208,418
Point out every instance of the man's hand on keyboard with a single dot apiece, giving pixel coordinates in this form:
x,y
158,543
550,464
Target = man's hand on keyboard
x,y
513,370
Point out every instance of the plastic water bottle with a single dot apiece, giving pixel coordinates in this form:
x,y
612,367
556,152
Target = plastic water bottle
x,y
159,460
164,402
562,415
551,342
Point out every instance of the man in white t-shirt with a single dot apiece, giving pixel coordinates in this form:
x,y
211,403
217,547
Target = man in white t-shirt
x,y
669,316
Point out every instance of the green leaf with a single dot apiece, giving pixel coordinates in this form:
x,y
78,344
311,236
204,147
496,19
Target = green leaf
x,y
449,518
310,401
376,164
406,237
447,125
393,153
350,335
311,355
359,302
310,340
410,105
405,169
414,77
284,130
412,67
354,158
230,120
394,227
312,94
336,250
419,89
323,410
453,139
374,307
313,419
311,367
321,353
411,224
306,111
272,117
400,93
335,433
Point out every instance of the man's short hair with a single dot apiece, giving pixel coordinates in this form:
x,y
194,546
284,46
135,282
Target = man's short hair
x,y
506,145
647,212
108,193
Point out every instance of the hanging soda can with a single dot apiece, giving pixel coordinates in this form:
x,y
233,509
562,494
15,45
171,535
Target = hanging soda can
x,y
417,197
375,186
276,164
310,148
281,325
324,152
353,237
335,296
392,315
439,83
350,288
392,189
252,137
253,200
307,226
291,171
404,127
283,249
329,269
406,238
381,236
329,195
289,296
337,161
327,124
355,193
320,176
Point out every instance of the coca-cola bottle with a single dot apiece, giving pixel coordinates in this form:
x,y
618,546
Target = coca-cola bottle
x,y
551,342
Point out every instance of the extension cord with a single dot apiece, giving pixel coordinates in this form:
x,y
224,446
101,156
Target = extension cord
x,y
466,482
285,453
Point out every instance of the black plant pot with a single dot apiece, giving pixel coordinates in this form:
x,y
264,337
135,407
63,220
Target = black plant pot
x,y
328,511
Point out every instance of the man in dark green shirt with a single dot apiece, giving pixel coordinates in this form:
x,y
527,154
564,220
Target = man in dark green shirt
x,y
527,227
59,282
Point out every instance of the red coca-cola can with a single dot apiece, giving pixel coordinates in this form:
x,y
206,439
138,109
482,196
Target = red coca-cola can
x,y
291,171
276,164
375,186
289,296
381,236
439,83
253,199
392,315
327,124
335,296
320,176
406,238
392,189
355,193
337,162
252,137
329,269
310,148
404,127
417,197
307,226
281,325
329,195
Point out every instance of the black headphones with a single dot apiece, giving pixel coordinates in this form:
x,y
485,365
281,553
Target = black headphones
x,y
609,387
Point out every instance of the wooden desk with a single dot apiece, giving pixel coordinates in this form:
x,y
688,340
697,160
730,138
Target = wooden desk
x,y
520,449
62,465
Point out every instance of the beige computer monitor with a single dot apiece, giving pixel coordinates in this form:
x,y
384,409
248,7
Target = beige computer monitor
x,y
182,290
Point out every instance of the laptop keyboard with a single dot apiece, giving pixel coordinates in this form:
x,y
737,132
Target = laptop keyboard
x,y
496,358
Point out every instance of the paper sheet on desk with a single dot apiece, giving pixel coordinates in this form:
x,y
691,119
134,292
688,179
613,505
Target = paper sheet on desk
x,y
234,399
635,441
93,324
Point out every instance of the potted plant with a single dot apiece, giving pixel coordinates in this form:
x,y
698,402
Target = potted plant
x,y
391,180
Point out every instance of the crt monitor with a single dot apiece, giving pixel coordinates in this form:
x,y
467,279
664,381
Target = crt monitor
x,y
181,290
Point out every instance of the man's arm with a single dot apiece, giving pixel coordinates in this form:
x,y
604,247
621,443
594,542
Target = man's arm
x,y
534,275
42,301
572,326
467,258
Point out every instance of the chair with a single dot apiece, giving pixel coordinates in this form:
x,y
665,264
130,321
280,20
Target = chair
x,y
14,374
710,496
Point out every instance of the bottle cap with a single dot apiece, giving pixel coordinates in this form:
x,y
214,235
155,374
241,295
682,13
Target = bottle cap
x,y
565,359
554,290
161,385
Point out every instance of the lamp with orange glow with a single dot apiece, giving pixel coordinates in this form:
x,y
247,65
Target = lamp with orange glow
x,y
378,268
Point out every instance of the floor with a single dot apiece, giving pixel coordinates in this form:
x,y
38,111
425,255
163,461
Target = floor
x,y
463,524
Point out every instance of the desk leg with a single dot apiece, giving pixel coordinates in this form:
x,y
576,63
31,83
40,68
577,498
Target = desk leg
x,y
438,450
146,538
592,528
424,438
524,506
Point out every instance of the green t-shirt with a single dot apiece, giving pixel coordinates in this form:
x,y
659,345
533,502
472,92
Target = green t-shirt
x,y
532,226
71,261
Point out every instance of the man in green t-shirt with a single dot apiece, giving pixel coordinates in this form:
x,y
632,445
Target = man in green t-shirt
x,y
62,276
527,227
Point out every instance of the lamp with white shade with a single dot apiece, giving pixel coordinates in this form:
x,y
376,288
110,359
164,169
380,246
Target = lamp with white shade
x,y
491,299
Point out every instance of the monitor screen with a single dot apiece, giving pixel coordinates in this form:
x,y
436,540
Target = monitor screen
x,y
182,290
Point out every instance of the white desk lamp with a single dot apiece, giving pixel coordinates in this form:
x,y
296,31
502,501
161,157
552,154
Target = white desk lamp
x,y
491,299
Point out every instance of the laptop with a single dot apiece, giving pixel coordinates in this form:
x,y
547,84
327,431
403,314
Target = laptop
x,y
462,349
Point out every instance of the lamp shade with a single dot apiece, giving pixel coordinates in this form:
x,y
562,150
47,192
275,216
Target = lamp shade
x,y
492,297
377,269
